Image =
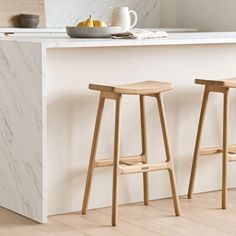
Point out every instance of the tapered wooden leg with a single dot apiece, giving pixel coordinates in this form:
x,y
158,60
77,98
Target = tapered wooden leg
x,y
144,149
93,155
116,163
225,149
198,142
168,155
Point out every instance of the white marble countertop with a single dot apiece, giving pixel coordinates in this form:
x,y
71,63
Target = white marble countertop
x,y
173,39
63,30
32,30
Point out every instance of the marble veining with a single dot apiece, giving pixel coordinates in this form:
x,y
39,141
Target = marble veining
x,y
21,143
61,13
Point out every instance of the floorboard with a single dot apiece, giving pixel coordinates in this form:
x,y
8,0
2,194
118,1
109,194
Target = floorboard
x,y
200,216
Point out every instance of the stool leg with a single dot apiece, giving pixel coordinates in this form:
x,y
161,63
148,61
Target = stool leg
x,y
168,155
225,149
116,163
198,142
93,154
144,149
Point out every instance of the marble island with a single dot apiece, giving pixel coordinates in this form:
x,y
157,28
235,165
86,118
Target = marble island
x,y
47,115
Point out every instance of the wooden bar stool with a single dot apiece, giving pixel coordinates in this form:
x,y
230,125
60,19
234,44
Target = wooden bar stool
x,y
228,151
131,164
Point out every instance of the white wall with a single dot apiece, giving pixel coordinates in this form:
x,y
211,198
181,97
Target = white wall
x,y
61,13
210,15
168,13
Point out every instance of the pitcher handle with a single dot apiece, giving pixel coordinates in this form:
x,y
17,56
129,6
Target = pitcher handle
x,y
135,18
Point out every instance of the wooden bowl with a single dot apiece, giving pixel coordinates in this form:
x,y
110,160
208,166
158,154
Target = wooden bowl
x,y
28,20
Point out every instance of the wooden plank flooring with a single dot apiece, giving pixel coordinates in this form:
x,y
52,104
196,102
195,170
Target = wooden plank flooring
x,y
200,216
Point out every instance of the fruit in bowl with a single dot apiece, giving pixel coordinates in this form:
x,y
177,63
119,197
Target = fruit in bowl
x,y
92,23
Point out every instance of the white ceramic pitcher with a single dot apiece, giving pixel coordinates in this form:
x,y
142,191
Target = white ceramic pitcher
x,y
121,17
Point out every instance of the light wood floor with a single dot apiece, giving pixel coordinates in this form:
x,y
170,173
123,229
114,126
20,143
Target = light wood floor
x,y
200,216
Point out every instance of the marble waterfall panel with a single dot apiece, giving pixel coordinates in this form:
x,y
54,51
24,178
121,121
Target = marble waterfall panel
x,y
22,182
61,13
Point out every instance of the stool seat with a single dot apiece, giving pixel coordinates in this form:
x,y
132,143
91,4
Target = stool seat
x,y
227,83
140,88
